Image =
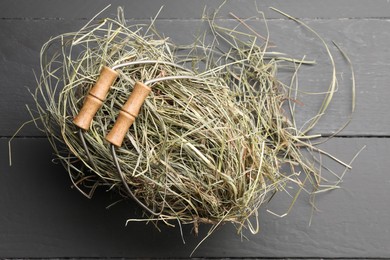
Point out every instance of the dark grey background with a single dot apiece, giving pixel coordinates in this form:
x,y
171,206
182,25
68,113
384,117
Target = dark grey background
x,y
41,216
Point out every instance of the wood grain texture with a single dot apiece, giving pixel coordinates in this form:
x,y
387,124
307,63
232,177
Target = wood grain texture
x,y
189,10
365,41
43,217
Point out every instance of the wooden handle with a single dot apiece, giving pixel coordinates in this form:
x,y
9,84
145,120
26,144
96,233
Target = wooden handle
x,y
136,99
128,113
95,98
120,128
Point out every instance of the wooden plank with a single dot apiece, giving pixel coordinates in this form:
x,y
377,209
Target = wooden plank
x,y
41,216
365,41
179,9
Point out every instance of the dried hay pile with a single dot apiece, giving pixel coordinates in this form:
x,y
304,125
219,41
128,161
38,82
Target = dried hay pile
x,y
209,146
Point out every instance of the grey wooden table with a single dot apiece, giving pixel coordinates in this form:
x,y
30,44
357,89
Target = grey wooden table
x,y
41,216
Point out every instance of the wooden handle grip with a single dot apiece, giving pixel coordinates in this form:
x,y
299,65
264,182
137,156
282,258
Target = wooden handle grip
x,y
128,113
95,98
136,99
120,128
